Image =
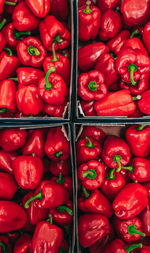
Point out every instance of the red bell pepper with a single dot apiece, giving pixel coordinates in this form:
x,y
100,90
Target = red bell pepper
x,y
23,18
88,149
95,202
63,215
91,228
7,95
39,8
130,201
3,2
116,43
89,21
145,220
60,62
118,246
135,12
106,4
23,244
52,88
91,86
119,103
8,64
6,162
60,166
139,169
34,144
116,152
88,108
57,147
94,132
137,138
5,245
129,230
52,239
55,110
111,25
28,100
91,174
49,195
131,64
146,36
144,102
89,54
134,43
8,186
31,52
106,64
66,182
35,214
28,171
52,30
12,216
12,139
59,8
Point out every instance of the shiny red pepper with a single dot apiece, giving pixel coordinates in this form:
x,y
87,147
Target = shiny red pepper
x,y
118,246
57,147
95,132
91,228
88,108
60,166
6,162
28,171
144,102
7,95
59,8
116,43
139,169
130,201
39,8
134,43
63,215
5,245
52,30
91,174
8,186
107,4
146,36
55,110
145,219
23,244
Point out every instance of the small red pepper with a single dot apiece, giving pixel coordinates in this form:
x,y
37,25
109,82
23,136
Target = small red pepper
x,y
57,147
12,216
94,132
146,36
39,8
12,139
89,21
145,220
8,186
144,102
130,201
60,166
55,110
52,30
7,95
91,174
88,108
118,246
23,244
107,4
6,162
91,228
89,54
91,86
116,43
63,215
23,18
59,8
5,246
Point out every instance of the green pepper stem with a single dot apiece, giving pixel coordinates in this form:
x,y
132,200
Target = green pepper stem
x,y
141,127
138,97
93,86
33,51
58,154
132,229
111,175
132,68
87,10
65,208
10,3
3,23
51,219
4,110
117,159
91,174
38,196
13,79
89,144
134,33
48,85
60,179
134,246
4,247
129,168
54,53
85,192
58,39
61,251
17,34
113,56
9,51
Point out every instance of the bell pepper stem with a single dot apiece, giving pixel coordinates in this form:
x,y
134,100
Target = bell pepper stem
x,y
4,110
132,68
87,10
91,174
132,230
60,179
9,51
111,175
58,39
61,251
89,144
54,53
3,23
51,219
141,127
85,192
48,85
93,86
117,159
65,208
13,79
58,154
10,3
134,33
138,97
18,35
3,247
129,168
38,196
134,246
33,51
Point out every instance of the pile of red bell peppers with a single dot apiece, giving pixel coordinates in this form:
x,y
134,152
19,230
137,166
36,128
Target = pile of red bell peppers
x,y
36,209
34,57
114,190
114,57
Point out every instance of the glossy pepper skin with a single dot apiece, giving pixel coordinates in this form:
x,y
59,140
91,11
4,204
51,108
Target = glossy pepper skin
x,y
137,137
134,43
95,202
66,182
63,215
118,246
23,244
91,174
145,249
91,228
145,220
12,139
88,108
111,24
57,147
28,171
91,86
88,149
39,8
96,133
119,103
89,54
7,95
6,162
52,30
23,18
129,230
89,22
12,216
55,110
5,245
135,12
146,36
140,169
31,52
59,8
116,43
60,166
8,186
106,4
130,201
28,75
144,103
47,237
116,152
